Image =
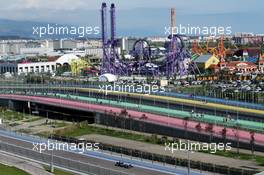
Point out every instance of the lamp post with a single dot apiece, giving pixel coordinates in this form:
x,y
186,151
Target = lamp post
x,y
189,162
51,162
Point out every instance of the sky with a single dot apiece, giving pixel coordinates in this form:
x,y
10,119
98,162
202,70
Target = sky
x,y
141,17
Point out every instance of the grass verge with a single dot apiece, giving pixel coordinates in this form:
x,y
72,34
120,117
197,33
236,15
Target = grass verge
x,y
58,171
10,170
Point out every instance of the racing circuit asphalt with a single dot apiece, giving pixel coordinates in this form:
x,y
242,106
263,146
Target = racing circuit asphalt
x,y
96,158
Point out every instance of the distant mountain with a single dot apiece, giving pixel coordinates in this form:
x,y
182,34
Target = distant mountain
x,y
17,29
15,37
14,29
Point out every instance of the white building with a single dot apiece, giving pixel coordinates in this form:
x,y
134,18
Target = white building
x,y
11,46
108,78
37,67
99,51
157,39
45,67
66,59
36,51
94,52
80,53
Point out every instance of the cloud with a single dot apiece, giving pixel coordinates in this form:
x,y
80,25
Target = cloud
x,y
137,15
205,5
45,4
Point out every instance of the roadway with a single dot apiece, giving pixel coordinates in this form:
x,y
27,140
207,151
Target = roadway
x,y
167,97
103,159
156,109
158,119
210,115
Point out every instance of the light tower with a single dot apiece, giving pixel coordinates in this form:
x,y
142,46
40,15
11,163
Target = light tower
x,y
222,53
113,23
113,33
105,61
173,21
104,24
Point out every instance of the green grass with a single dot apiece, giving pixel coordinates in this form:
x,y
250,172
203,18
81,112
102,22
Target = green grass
x,y
58,171
259,160
13,116
242,156
85,129
57,124
61,172
26,130
32,119
9,170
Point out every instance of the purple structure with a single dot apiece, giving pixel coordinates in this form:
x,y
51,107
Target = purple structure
x,y
111,62
175,62
141,50
104,25
175,57
113,23
105,67
142,63
178,60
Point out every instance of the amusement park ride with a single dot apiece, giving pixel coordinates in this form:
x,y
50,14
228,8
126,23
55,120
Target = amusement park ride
x,y
111,62
219,51
142,54
177,61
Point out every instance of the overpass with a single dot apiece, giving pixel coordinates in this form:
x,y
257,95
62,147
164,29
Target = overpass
x,y
242,108
162,120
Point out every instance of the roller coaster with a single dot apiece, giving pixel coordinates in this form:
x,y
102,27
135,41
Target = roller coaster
x,y
219,51
177,62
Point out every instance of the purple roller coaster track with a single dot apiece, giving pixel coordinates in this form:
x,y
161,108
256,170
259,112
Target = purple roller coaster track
x,y
177,61
111,62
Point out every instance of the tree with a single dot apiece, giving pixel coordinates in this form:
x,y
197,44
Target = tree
x,y
123,113
252,141
237,136
223,133
78,65
209,128
64,68
198,127
185,124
